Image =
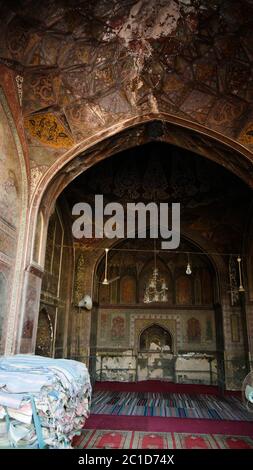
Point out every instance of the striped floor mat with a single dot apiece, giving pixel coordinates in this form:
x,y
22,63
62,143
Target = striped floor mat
x,y
169,405
105,439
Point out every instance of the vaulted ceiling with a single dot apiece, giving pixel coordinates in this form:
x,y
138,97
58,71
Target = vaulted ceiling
x,y
83,66
214,203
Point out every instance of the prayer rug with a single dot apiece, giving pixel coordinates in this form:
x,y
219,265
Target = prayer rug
x,y
106,439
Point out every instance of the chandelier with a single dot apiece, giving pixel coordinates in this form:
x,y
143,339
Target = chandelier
x,y
156,288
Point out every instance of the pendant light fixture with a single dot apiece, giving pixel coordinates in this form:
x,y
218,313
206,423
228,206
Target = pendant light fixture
x,y
156,288
241,288
188,267
106,281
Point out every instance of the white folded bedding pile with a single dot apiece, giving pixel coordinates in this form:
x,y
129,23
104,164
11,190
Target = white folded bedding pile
x,y
43,401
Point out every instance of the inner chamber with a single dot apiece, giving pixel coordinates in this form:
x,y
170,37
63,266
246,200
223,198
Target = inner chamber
x,y
182,336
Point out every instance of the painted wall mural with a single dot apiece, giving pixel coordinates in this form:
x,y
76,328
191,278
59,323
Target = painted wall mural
x,y
9,176
193,330
48,130
128,290
11,198
118,325
184,290
113,60
151,344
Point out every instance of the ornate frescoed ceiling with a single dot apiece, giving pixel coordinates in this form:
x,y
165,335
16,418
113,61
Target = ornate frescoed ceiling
x,y
82,67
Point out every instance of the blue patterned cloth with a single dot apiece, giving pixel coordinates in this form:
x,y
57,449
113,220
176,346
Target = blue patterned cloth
x,y
59,388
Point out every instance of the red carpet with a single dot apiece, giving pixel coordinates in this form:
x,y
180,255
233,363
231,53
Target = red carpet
x,y
104,439
161,386
157,424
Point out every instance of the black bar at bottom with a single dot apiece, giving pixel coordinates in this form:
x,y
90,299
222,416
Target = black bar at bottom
x,y
106,458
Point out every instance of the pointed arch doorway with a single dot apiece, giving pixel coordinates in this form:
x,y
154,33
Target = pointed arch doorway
x,y
155,355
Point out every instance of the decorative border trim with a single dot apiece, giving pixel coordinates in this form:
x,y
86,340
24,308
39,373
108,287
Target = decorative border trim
x,y
153,316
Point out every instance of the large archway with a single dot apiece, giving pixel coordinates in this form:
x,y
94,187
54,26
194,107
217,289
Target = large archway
x,y
150,128
79,76
138,101
84,270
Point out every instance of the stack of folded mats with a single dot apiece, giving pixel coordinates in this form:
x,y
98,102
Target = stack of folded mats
x,y
44,402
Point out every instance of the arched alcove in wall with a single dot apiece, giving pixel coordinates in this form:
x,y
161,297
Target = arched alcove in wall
x,y
128,289
156,338
151,129
112,79
95,164
45,334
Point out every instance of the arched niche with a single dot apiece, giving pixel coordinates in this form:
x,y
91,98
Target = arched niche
x,y
155,338
197,290
206,287
184,290
108,293
45,334
128,289
104,294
